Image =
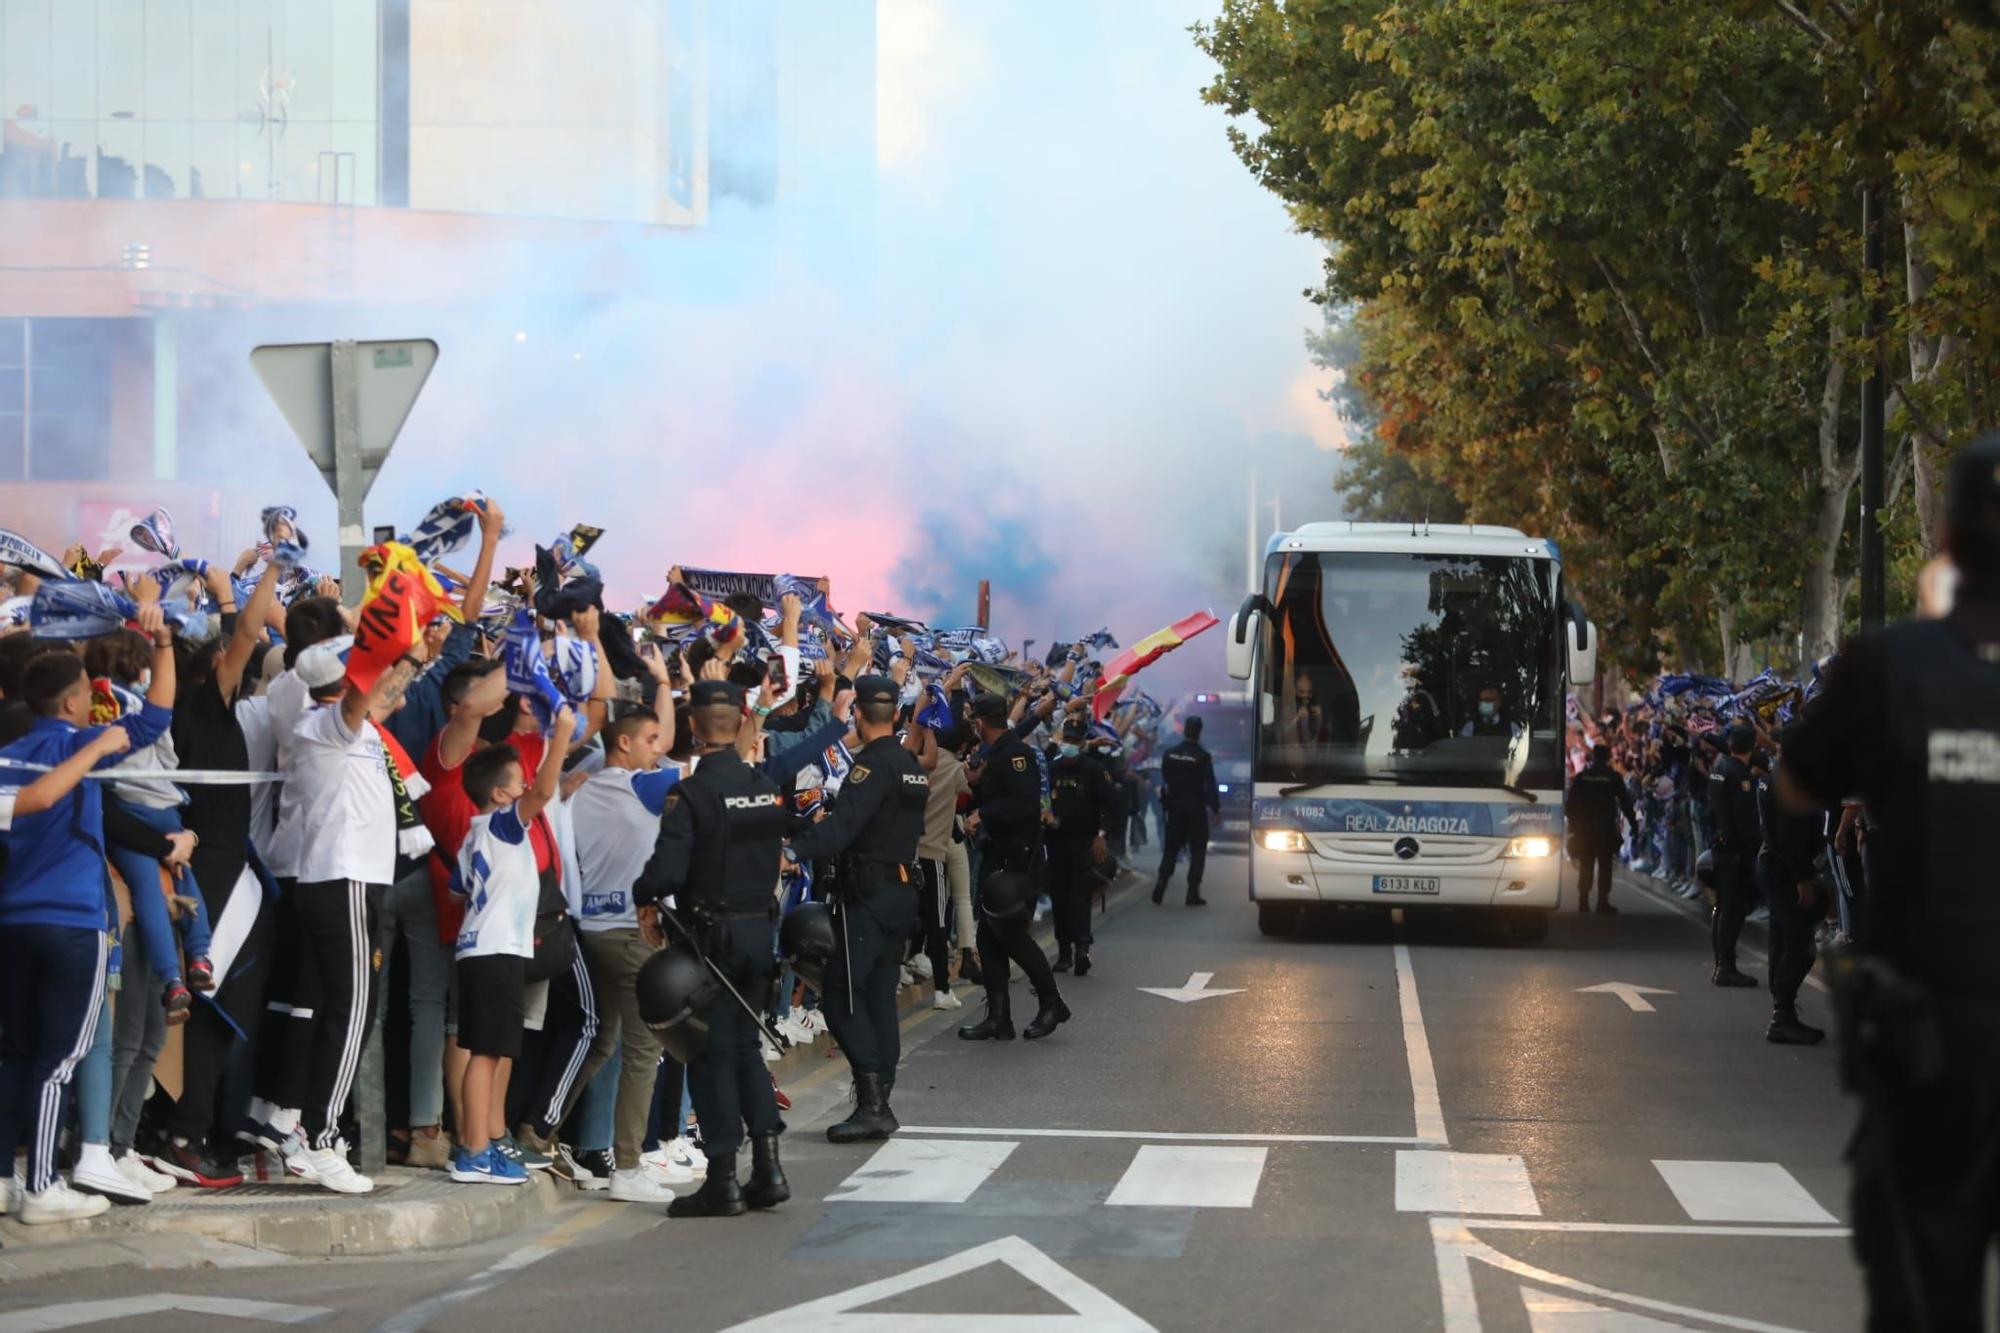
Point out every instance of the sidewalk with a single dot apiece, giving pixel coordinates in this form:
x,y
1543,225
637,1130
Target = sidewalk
x,y
410,1210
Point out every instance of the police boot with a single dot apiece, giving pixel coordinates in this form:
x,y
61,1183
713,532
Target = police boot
x,y
1083,960
1726,974
1052,1013
968,968
998,1025
1194,898
1604,906
1063,959
870,1118
1787,1030
719,1195
768,1187
888,1111
1160,892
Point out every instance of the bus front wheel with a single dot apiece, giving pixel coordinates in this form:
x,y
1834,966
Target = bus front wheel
x,y
1277,918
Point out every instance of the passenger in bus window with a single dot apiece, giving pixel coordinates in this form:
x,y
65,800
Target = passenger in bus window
x,y
1487,721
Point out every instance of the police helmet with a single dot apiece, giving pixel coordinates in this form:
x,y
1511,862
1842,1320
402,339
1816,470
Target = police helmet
x,y
1704,869
674,989
1007,895
805,938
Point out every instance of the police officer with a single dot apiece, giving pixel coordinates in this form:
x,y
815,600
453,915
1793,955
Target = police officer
x,y
717,853
1787,870
1084,804
1596,796
1734,836
874,828
1188,773
1007,798
1910,722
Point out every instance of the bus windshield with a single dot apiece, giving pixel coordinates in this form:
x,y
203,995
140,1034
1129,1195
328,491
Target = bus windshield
x,y
1411,669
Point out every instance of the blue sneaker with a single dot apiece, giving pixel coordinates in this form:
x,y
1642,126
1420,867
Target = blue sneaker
x,y
465,1166
488,1167
506,1171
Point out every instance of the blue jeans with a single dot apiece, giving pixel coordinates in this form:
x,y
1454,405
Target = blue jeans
x,y
596,1112
409,910
141,874
93,1083
51,992
138,1031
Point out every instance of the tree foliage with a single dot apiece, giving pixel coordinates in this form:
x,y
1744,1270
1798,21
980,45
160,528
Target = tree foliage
x,y
1605,279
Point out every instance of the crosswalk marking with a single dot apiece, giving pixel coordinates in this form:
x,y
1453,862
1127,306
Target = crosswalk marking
x,y
1187,1177
1464,1183
924,1171
1549,1312
1740,1192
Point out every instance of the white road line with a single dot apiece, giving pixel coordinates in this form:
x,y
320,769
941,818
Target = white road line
x,y
1423,1075
1165,1136
924,1171
1457,1248
1638,1228
1464,1182
1740,1192
77,1314
419,1316
1551,1313
1176,1177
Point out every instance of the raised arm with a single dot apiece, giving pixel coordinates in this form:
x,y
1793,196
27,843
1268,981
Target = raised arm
x,y
249,629
549,776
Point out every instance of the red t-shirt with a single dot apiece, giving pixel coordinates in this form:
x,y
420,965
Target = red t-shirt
x,y
448,812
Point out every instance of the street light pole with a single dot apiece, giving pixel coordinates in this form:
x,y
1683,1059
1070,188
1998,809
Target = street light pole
x,y
1873,574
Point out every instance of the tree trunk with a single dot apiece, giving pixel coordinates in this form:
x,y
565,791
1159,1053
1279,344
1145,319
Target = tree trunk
x,y
1725,624
1929,356
1819,619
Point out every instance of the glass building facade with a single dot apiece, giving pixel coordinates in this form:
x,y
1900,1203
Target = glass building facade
x,y
190,99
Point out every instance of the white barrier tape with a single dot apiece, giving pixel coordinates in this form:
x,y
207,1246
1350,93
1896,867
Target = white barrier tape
x,y
202,776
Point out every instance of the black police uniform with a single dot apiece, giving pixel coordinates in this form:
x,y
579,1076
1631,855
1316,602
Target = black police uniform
x,y
1910,722
1596,796
1084,804
1734,836
1008,799
717,854
875,827
1188,773
1794,841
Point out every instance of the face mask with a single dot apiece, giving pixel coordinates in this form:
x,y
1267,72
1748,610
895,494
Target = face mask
x,y
1489,711
145,681
1069,751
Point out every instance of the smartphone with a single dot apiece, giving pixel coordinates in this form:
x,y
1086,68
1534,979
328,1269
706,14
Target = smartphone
x,y
384,532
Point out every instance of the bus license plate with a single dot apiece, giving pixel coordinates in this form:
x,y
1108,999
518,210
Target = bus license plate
x,y
1406,884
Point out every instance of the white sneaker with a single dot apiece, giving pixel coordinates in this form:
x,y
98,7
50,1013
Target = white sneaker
x,y
814,1022
642,1185
921,965
685,1151
59,1203
328,1168
944,999
96,1173
296,1154
908,977
665,1171
145,1177
10,1195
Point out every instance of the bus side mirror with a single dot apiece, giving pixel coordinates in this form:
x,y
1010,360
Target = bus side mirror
x,y
1240,648
1582,642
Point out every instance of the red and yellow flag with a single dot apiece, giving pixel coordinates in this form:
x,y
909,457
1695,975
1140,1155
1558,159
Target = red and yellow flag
x,y
1142,655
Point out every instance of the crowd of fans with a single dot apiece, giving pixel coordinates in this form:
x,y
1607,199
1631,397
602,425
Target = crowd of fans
x,y
1665,747
237,807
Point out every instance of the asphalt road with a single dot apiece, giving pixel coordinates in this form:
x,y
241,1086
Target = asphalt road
x,y
1373,1125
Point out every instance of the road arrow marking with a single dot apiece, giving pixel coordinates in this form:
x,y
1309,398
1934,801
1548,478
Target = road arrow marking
x,y
1196,989
78,1313
1632,995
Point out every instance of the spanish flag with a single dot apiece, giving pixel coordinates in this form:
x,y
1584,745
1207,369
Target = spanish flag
x,y
1142,655
384,559
682,608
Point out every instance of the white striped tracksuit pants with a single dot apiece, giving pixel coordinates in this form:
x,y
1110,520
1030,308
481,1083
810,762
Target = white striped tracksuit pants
x,y
337,920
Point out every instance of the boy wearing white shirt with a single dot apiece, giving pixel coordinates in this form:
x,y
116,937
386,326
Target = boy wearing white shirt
x,y
501,886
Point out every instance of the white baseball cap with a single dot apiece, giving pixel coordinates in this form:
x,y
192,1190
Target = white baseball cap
x,y
324,663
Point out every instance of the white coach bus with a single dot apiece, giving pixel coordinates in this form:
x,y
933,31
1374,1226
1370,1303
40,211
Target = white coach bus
x,y
1408,681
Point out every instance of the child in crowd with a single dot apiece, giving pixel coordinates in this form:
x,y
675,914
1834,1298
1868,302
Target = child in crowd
x,y
498,881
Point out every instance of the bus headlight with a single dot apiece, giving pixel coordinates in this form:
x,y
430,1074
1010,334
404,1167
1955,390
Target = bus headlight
x,y
1282,840
1531,849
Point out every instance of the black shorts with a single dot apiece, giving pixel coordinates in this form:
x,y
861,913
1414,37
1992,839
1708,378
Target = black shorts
x,y
490,990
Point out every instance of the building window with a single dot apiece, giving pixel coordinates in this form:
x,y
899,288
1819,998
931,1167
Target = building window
x,y
55,398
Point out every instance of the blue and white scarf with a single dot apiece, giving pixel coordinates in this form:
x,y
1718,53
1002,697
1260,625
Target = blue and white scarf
x,y
528,670
78,609
18,551
447,527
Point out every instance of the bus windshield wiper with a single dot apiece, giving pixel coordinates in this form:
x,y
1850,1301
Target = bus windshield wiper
x,y
1531,798
1300,788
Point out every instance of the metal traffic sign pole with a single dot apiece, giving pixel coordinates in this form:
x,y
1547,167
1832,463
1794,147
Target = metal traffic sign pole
x,y
347,402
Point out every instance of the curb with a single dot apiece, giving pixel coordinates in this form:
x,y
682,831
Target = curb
x,y
435,1215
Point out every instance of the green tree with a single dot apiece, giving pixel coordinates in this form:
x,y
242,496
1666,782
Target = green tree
x,y
1375,482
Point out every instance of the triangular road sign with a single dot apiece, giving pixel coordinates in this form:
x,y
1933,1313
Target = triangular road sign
x,y
843,1312
388,377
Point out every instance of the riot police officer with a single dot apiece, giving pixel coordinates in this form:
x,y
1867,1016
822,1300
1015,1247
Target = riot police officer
x,y
1188,773
1910,721
1084,804
1734,836
1007,796
874,828
716,855
1596,796
1794,840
